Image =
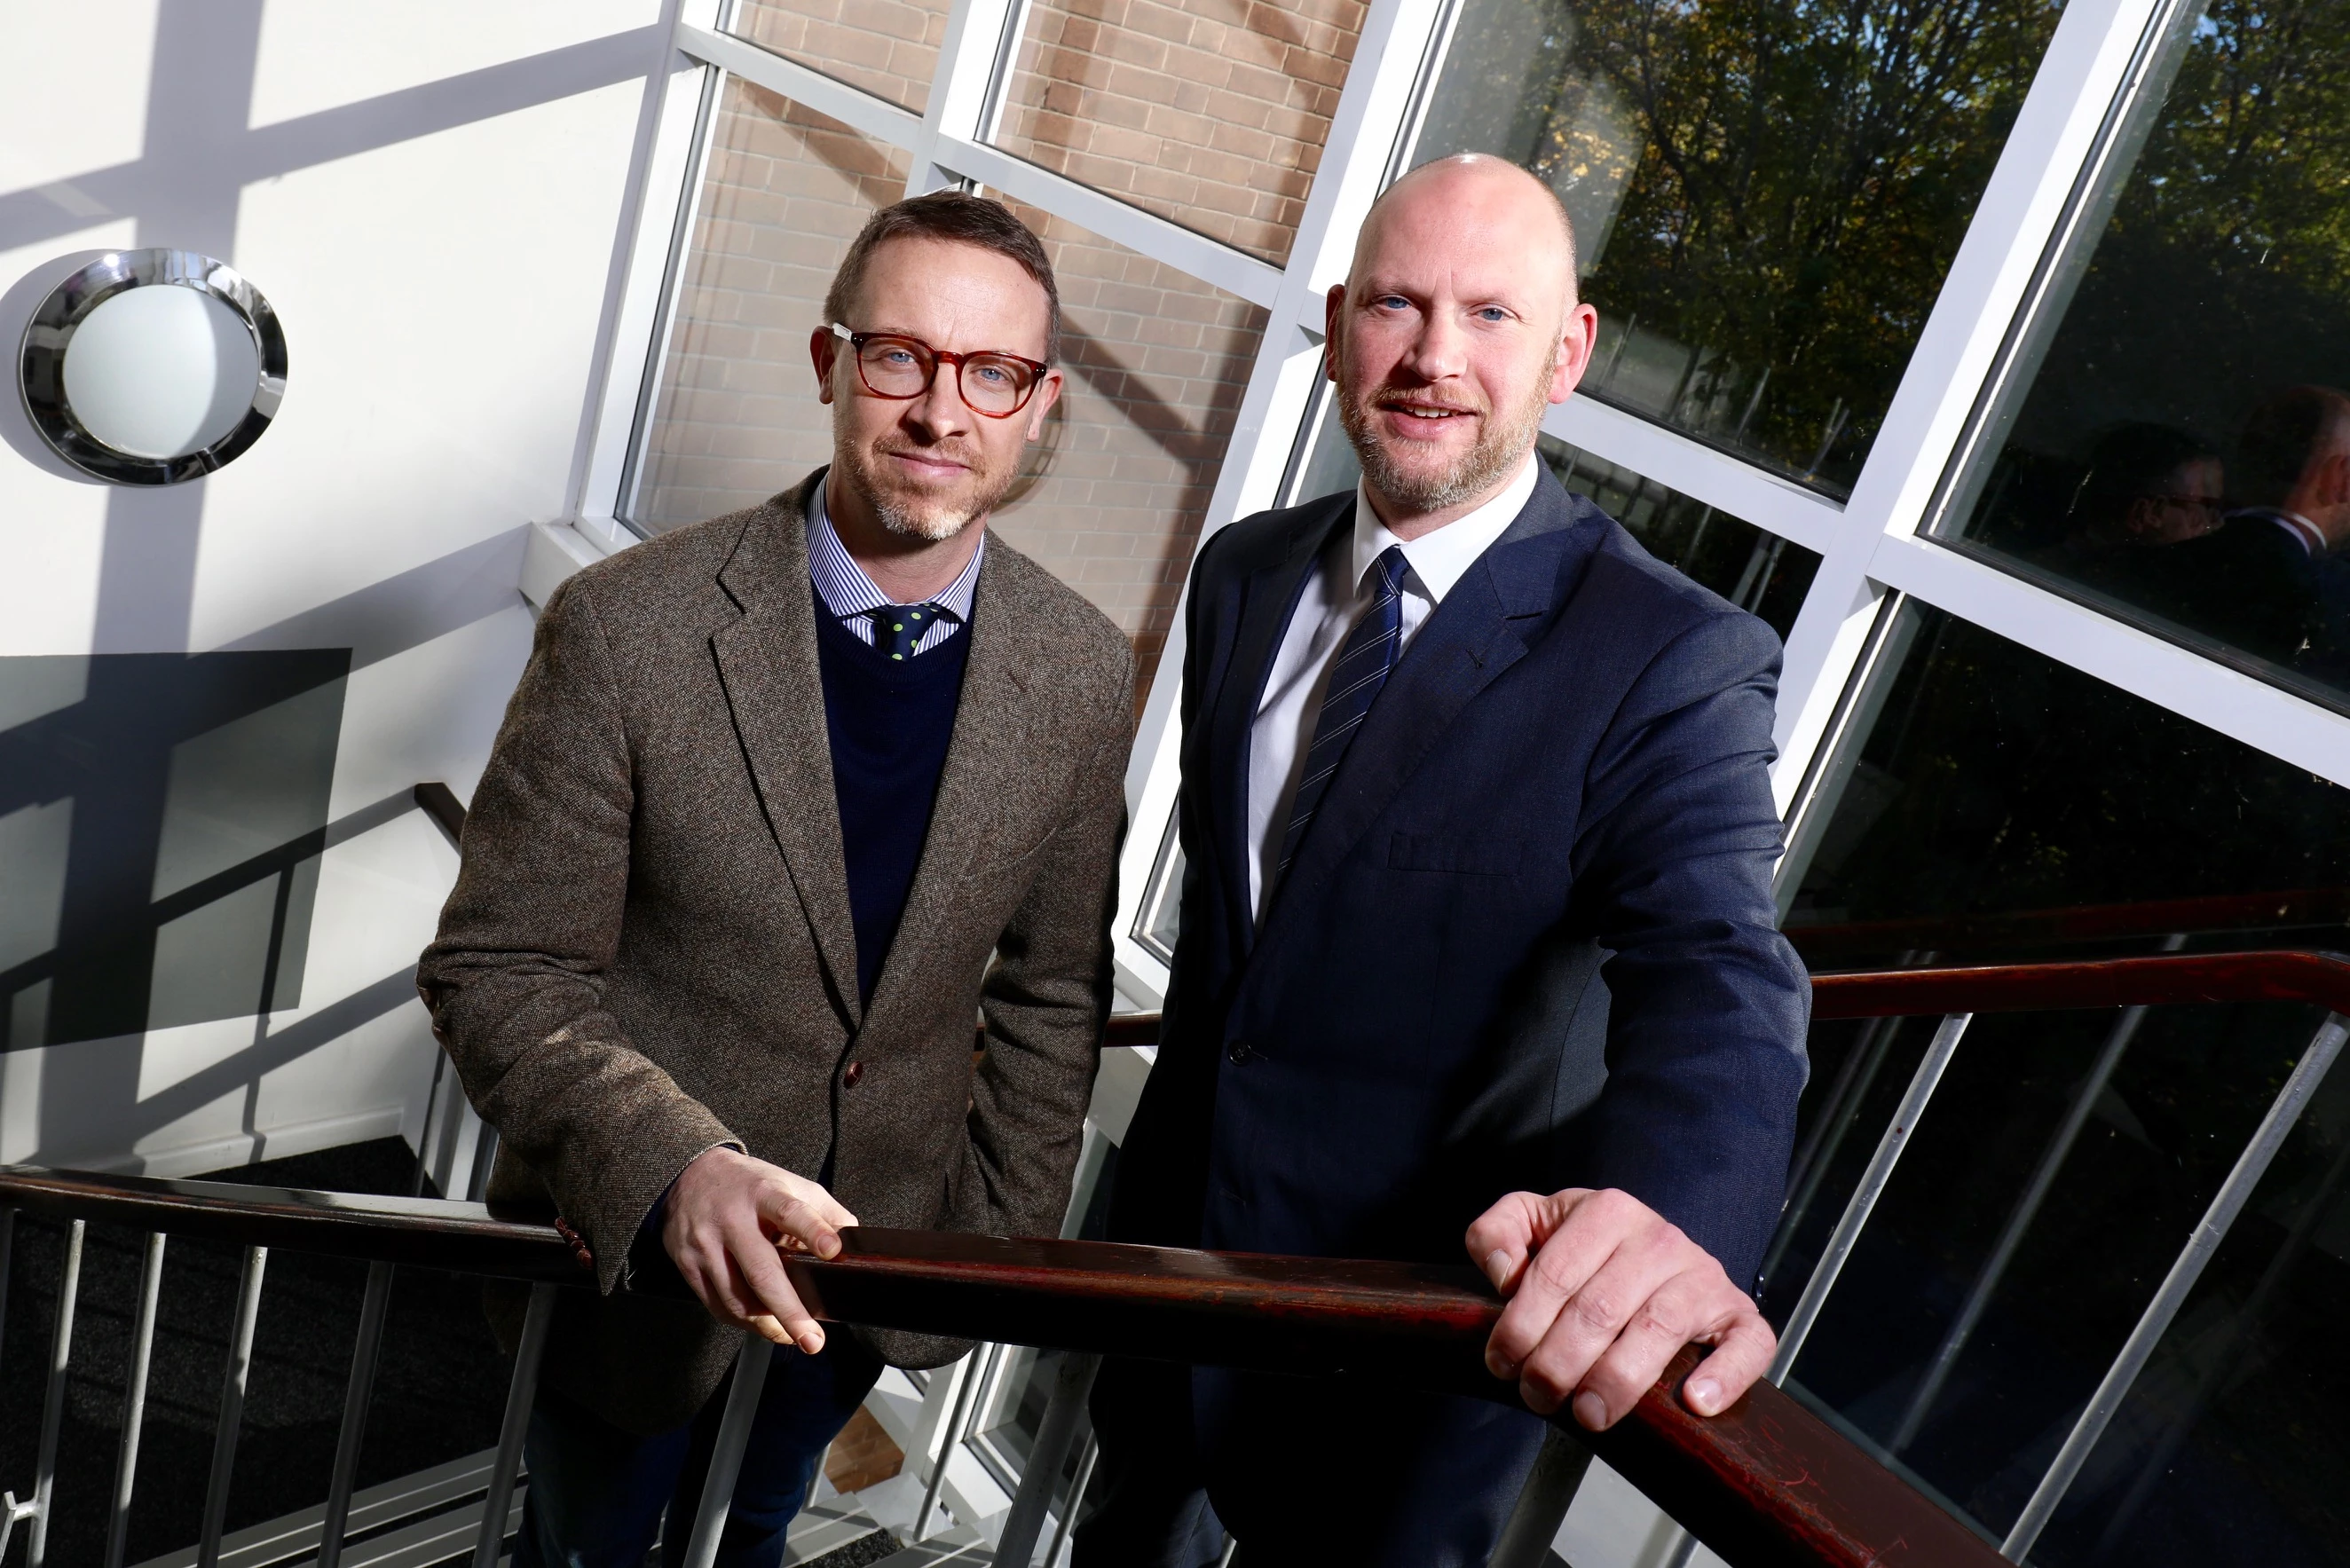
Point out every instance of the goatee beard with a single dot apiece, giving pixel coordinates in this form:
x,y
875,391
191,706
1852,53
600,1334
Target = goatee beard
x,y
932,522
1496,454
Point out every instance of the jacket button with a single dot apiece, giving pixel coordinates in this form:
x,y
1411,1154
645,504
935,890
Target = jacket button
x,y
856,1071
1239,1052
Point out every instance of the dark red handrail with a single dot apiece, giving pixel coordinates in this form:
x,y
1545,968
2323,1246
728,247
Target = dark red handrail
x,y
2284,909
2323,978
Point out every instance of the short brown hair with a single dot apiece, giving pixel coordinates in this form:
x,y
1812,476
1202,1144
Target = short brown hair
x,y
956,217
2280,435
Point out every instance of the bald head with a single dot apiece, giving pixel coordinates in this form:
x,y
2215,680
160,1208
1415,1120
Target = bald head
x,y
1456,329
1471,197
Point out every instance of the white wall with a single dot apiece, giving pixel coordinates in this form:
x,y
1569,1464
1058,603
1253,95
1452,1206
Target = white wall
x,y
429,195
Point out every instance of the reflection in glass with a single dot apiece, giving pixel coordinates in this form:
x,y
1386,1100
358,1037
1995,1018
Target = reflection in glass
x,y
887,47
1155,363
2163,1103
1983,783
2173,445
161,817
1766,196
736,416
1757,571
1209,115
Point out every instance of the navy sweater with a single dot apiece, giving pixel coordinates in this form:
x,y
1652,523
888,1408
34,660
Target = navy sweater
x,y
889,724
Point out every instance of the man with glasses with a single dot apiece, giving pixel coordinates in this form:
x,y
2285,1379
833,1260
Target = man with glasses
x,y
784,800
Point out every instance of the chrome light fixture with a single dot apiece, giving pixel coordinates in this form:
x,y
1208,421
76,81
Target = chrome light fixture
x,y
151,367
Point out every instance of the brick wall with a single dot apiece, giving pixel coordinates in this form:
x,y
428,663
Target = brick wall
x,y
1211,113
888,48
1155,363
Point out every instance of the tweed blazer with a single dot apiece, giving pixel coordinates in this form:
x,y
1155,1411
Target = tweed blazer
x,y
648,951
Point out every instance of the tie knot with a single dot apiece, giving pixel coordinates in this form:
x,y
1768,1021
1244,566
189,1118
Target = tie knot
x,y
896,628
1391,566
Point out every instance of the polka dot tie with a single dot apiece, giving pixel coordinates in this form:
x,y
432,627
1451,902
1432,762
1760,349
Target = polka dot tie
x,y
897,628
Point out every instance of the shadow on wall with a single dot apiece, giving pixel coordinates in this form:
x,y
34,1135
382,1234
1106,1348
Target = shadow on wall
x,y
164,813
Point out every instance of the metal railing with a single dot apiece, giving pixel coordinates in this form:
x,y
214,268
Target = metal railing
x,y
1729,1479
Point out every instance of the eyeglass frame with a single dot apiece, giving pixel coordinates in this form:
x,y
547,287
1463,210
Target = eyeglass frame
x,y
1038,369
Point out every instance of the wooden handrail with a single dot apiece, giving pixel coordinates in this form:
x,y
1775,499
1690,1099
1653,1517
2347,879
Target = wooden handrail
x,y
1766,1483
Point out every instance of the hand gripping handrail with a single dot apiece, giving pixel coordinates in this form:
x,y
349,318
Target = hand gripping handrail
x,y
1765,1484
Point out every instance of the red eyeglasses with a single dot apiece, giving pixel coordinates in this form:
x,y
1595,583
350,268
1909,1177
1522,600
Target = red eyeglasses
x,y
892,364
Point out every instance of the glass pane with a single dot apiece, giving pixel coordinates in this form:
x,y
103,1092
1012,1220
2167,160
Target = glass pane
x,y
735,417
1754,570
2230,1448
2173,448
1995,800
1156,362
1970,1327
1766,195
888,48
1209,115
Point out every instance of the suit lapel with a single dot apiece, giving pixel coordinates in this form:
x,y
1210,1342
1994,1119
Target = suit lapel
x,y
1269,598
1485,625
767,663
980,802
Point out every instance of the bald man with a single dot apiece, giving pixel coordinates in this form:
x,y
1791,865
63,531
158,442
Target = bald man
x,y
1478,941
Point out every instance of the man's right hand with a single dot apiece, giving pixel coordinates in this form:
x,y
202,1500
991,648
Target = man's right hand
x,y
730,1220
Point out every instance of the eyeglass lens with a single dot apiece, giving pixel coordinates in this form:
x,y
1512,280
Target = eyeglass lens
x,y
903,368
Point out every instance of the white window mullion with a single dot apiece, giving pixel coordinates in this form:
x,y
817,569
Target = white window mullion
x,y
978,37
853,106
1702,473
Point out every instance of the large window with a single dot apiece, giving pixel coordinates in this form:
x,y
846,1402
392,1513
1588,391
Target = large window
x,y
735,418
1765,196
2176,446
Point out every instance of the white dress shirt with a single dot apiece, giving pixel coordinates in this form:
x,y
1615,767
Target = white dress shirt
x,y
1337,593
852,596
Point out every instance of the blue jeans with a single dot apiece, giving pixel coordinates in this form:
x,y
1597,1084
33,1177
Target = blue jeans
x,y
597,1491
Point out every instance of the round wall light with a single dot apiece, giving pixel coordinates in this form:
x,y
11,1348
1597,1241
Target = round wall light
x,y
151,367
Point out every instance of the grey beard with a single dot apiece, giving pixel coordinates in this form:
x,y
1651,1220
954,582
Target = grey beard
x,y
1495,456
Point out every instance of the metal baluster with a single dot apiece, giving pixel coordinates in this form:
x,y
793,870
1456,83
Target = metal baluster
x,y
134,1399
1016,1547
1542,1501
1837,1119
2019,1221
2219,1375
1091,1452
232,1406
53,1403
1873,1179
726,1455
355,1397
2185,1270
7,1252
424,1130
520,1394
951,1441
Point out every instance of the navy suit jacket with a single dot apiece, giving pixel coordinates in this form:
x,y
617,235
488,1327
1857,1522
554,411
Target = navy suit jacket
x,y
1529,940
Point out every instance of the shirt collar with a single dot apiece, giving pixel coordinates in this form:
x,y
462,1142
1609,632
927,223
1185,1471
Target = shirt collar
x,y
845,588
1440,558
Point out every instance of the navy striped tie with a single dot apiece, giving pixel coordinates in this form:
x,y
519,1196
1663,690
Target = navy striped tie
x,y
1371,651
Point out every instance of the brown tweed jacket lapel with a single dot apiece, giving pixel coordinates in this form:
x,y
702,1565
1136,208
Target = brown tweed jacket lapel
x,y
767,663
981,811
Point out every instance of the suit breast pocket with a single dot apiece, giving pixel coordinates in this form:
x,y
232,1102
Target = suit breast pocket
x,y
1461,855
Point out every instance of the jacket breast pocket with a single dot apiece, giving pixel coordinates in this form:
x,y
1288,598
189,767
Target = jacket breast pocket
x,y
1461,855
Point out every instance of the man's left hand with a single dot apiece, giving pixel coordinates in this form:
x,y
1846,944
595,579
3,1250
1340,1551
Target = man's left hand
x,y
1603,1291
